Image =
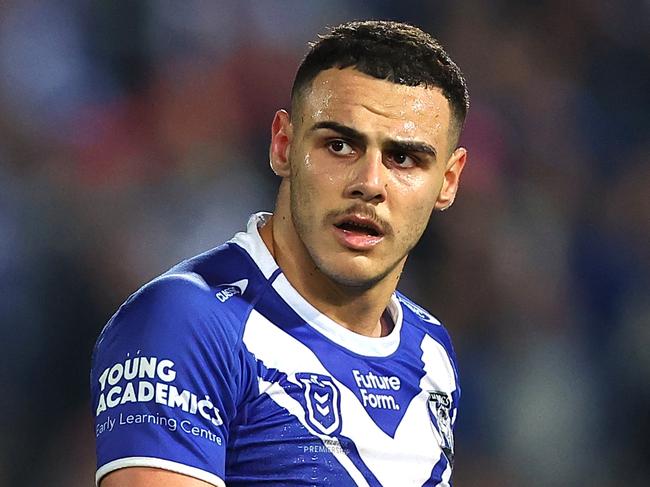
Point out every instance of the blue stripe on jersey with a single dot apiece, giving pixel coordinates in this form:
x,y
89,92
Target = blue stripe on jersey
x,y
437,472
353,454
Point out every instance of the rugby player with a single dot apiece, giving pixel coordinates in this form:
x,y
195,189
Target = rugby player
x,y
286,356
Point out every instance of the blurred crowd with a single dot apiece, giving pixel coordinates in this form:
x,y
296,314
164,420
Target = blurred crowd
x,y
134,134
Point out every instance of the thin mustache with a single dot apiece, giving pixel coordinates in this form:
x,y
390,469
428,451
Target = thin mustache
x,y
366,212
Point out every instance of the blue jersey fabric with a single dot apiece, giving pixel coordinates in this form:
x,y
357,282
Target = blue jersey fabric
x,y
220,370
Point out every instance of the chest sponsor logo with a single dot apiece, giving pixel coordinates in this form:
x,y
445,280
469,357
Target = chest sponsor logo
x,y
323,402
440,413
377,391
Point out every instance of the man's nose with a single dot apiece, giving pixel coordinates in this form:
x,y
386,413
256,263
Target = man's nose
x,y
369,181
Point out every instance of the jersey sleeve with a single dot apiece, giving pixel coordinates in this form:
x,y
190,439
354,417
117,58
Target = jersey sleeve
x,y
167,374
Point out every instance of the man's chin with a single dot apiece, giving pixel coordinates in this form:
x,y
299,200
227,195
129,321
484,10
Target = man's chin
x,y
354,270
353,276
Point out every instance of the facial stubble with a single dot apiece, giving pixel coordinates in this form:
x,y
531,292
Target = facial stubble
x,y
308,226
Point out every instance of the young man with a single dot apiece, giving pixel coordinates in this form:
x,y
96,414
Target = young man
x,y
286,356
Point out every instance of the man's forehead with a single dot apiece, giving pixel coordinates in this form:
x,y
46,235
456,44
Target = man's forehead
x,y
348,92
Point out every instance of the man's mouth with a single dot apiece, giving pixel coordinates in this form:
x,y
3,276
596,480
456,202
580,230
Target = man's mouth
x,y
359,228
358,232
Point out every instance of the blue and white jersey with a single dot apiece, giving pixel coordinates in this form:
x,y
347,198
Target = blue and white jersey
x,y
220,370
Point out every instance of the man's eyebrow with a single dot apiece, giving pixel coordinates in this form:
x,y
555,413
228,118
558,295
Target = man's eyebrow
x,y
411,146
344,130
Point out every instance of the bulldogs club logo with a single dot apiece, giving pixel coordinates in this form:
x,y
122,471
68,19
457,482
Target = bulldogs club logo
x,y
440,414
323,403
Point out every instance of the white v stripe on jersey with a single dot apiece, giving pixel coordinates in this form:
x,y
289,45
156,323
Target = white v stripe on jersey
x,y
394,461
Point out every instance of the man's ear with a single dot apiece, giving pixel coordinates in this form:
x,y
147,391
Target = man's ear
x,y
454,168
281,137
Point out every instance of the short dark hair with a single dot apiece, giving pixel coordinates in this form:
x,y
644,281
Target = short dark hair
x,y
394,51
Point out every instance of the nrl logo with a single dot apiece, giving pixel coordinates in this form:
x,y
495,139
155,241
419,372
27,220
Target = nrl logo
x,y
323,399
440,414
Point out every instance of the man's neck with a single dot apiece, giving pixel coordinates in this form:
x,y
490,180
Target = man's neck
x,y
363,311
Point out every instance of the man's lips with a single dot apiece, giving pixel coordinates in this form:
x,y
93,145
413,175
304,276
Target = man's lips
x,y
358,232
359,224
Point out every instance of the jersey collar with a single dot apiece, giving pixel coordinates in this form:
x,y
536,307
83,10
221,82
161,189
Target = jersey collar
x,y
252,243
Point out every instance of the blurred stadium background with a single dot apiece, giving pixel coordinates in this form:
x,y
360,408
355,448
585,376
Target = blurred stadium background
x,y
134,134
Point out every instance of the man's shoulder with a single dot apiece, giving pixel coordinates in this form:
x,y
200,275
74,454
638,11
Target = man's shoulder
x,y
216,267
209,279
207,295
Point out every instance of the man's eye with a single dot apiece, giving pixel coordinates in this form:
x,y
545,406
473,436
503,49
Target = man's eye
x,y
340,147
403,160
